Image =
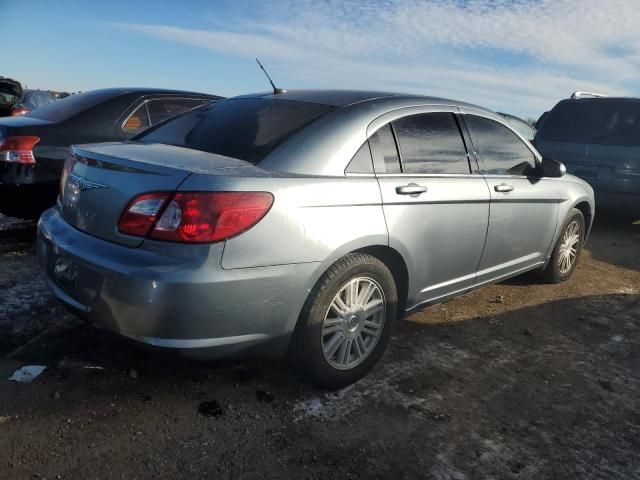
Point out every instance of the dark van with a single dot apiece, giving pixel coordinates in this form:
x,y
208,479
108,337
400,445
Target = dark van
x,y
598,140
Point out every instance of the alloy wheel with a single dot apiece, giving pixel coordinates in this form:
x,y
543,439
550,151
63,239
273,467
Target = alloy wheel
x,y
569,247
353,323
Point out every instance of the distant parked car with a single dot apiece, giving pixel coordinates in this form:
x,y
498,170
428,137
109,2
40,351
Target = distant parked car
x,y
304,222
32,99
519,125
598,139
33,147
10,96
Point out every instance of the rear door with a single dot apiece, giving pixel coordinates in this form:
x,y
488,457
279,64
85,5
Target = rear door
x,y
524,207
435,205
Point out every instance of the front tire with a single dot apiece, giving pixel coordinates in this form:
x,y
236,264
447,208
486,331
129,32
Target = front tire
x,y
346,322
567,250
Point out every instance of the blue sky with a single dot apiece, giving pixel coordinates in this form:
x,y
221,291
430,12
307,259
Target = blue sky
x,y
515,56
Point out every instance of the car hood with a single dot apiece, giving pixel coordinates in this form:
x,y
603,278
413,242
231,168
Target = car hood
x,y
10,91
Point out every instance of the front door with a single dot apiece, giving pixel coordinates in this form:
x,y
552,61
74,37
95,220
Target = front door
x,y
524,207
435,207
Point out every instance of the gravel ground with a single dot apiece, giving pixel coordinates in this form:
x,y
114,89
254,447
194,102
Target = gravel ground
x,y
518,380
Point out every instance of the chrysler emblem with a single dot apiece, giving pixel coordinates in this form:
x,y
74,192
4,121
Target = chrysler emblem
x,y
79,184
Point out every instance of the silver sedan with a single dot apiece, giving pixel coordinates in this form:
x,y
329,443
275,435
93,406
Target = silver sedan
x,y
306,223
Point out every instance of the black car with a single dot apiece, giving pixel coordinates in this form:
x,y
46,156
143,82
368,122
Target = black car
x,y
10,95
33,147
32,99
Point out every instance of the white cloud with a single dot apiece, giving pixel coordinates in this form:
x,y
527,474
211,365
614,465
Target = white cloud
x,y
518,56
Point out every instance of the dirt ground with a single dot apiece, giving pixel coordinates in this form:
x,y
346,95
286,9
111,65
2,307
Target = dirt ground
x,y
516,381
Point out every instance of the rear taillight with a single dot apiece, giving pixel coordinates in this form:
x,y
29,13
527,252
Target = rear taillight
x,y
142,213
196,217
66,171
18,112
18,149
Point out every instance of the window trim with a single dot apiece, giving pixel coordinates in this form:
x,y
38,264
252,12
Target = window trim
x,y
464,145
472,158
361,174
135,109
464,111
392,115
380,165
146,99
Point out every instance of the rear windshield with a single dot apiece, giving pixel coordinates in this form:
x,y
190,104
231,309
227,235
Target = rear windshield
x,y
597,121
244,128
71,105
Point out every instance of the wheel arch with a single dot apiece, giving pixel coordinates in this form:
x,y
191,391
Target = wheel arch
x,y
398,267
585,208
392,259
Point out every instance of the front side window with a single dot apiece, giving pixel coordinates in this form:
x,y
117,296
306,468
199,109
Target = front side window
x,y
162,108
500,151
431,143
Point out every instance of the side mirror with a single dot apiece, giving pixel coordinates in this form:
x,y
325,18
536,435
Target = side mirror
x,y
552,168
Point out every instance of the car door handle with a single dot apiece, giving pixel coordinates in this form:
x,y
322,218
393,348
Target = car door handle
x,y
503,187
412,189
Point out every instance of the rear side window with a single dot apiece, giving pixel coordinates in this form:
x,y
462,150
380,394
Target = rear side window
x,y
431,143
501,152
137,121
244,128
361,161
598,121
162,108
384,151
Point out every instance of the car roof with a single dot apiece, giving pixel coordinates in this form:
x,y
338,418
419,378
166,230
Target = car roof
x,y
142,90
343,98
326,147
601,100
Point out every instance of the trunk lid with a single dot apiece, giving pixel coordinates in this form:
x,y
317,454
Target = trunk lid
x,y
100,180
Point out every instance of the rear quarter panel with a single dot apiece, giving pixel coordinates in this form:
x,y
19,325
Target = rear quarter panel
x,y
312,219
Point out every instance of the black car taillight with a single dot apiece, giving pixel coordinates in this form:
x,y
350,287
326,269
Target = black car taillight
x,y
18,149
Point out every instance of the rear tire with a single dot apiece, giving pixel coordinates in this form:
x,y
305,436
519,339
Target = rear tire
x,y
346,322
566,252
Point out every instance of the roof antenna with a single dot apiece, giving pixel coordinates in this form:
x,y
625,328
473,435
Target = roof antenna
x,y
276,90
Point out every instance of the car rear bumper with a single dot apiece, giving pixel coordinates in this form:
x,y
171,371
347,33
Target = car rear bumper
x,y
19,174
179,301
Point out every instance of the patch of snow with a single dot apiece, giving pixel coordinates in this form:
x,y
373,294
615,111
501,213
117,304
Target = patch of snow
x,y
627,290
382,386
